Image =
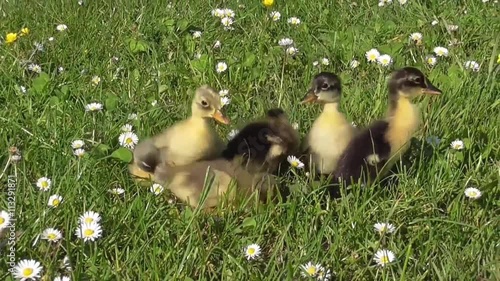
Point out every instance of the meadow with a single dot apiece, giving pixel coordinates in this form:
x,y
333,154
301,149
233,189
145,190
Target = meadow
x,y
142,61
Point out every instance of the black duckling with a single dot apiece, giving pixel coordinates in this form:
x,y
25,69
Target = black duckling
x,y
372,152
331,131
263,145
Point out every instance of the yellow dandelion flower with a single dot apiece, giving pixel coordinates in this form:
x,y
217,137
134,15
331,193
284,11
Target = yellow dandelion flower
x,y
10,38
268,3
25,31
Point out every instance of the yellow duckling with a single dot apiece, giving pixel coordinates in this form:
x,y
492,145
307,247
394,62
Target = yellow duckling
x,y
187,141
330,132
375,150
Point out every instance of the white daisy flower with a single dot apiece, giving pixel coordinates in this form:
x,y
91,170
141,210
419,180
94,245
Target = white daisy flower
x,y
89,231
22,89
35,68
315,63
384,60
80,2
197,34
275,15
95,80
55,200
51,235
433,140
128,140
61,27
38,46
66,264
324,275
226,21
295,162
232,134
126,128
95,106
27,270
402,2
223,93
156,189
217,44
89,217
441,51
431,60
221,67
132,116
310,270
79,152
76,144
384,257
62,278
229,13
473,193
292,51
452,27
218,13
372,55
354,63
15,157
117,191
44,183
434,22
294,21
325,61
383,228
295,125
472,65
416,37
285,42
252,251
225,101
457,144
4,219
154,103
197,56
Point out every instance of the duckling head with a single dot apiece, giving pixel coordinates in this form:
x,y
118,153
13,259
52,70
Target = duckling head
x,y
325,88
409,82
207,104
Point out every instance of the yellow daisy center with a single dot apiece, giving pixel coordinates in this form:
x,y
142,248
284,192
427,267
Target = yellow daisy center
x,y
88,232
472,193
51,236
88,220
311,270
56,202
44,184
295,163
384,259
2,220
129,140
157,190
27,272
251,251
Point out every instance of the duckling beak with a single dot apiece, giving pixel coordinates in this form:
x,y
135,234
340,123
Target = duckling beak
x,y
219,117
431,89
310,97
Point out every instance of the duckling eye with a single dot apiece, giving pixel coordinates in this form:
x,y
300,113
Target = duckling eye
x,y
204,103
325,86
418,80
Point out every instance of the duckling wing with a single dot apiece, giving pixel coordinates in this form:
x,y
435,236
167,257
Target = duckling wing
x,y
366,154
252,142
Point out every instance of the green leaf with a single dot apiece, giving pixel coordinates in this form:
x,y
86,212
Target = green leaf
x,y
249,60
249,222
102,148
122,154
200,64
65,90
137,46
54,100
162,88
111,102
39,84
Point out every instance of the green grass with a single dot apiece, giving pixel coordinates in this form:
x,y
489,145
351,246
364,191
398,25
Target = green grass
x,y
441,235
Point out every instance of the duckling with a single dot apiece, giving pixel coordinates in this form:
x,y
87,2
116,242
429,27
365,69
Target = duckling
x,y
263,145
375,150
226,180
187,141
330,132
